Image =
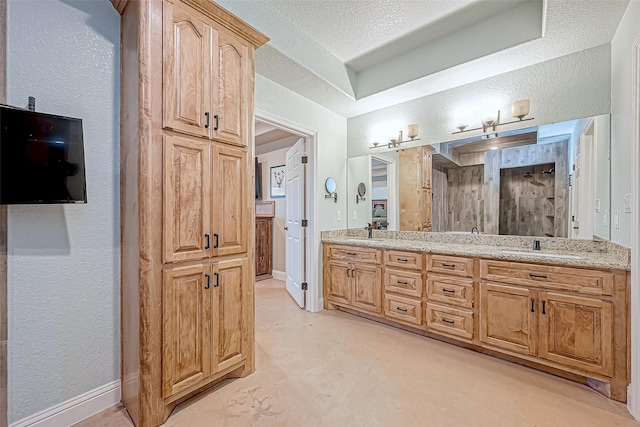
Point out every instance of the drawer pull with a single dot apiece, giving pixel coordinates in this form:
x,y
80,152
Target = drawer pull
x,y
351,253
401,282
543,307
448,265
449,291
538,276
401,259
404,310
533,306
448,321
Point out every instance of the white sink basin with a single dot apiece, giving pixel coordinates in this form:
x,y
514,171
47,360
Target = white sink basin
x,y
540,254
362,240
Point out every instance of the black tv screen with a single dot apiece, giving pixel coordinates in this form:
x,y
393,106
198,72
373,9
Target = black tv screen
x,y
41,158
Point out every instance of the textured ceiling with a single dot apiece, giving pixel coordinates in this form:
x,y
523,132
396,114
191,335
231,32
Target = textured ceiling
x,y
354,57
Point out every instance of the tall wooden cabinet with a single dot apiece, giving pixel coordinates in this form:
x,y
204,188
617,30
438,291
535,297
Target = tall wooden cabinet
x,y
415,194
187,225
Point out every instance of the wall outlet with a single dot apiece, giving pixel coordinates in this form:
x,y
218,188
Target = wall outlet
x,y
616,220
597,205
355,215
338,216
627,203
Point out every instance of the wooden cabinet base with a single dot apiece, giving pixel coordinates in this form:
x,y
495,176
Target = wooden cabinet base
x,y
610,387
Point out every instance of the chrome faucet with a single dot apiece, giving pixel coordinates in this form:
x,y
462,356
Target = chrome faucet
x,y
476,229
369,228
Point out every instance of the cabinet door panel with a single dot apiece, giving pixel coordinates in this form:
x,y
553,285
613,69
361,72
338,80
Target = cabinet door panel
x,y
577,332
185,304
229,88
230,282
506,318
186,71
186,198
367,288
229,168
339,290
264,245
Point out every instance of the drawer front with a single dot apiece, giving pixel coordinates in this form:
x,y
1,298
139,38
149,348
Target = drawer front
x,y
450,290
449,320
403,282
355,254
404,260
592,282
404,310
451,265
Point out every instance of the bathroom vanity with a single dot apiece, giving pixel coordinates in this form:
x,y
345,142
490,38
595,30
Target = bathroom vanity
x,y
563,309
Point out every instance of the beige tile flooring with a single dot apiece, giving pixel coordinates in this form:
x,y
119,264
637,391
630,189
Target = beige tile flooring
x,y
335,369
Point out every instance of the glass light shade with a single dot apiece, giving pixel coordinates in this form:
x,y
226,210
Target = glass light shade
x,y
413,130
519,109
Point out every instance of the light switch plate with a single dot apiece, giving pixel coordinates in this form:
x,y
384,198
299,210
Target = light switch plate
x,y
627,203
597,205
338,216
616,220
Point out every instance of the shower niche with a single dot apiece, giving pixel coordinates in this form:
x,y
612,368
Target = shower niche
x,y
528,204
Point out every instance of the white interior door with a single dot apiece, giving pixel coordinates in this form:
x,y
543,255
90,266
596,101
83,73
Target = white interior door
x,y
295,199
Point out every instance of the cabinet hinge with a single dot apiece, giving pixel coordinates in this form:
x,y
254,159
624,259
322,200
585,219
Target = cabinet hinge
x,y
305,159
305,222
305,286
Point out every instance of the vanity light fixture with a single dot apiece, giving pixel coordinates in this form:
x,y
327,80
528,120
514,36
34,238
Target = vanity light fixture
x,y
412,132
519,110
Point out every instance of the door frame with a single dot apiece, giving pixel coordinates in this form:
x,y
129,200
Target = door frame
x,y
392,190
633,391
312,252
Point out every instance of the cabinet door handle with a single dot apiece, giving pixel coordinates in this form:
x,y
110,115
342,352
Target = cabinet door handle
x,y
449,291
448,321
351,253
401,259
538,276
208,239
208,276
217,119
348,270
544,311
533,305
404,310
207,115
401,282
353,273
448,265
215,236
217,280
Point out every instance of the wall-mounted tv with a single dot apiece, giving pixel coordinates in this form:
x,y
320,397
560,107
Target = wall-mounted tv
x,y
41,158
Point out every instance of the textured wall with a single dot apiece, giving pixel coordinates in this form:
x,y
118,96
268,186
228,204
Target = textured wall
x,y
621,120
566,88
64,331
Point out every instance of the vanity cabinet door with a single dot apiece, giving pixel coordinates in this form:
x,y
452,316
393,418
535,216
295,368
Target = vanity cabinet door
x,y
339,282
576,332
508,318
367,288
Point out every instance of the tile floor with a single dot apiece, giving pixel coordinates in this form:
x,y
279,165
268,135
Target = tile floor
x,y
335,369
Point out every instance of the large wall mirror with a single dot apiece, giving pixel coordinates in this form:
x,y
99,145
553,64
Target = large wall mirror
x,y
551,180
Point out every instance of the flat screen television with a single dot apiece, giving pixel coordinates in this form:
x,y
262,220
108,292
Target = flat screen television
x,y
41,158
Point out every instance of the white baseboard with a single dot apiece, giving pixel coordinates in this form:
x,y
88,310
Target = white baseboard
x,y
279,275
76,409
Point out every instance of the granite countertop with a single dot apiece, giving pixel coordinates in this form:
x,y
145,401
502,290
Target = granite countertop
x,y
599,254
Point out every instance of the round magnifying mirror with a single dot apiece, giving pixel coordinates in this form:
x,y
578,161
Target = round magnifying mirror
x,y
330,185
362,189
